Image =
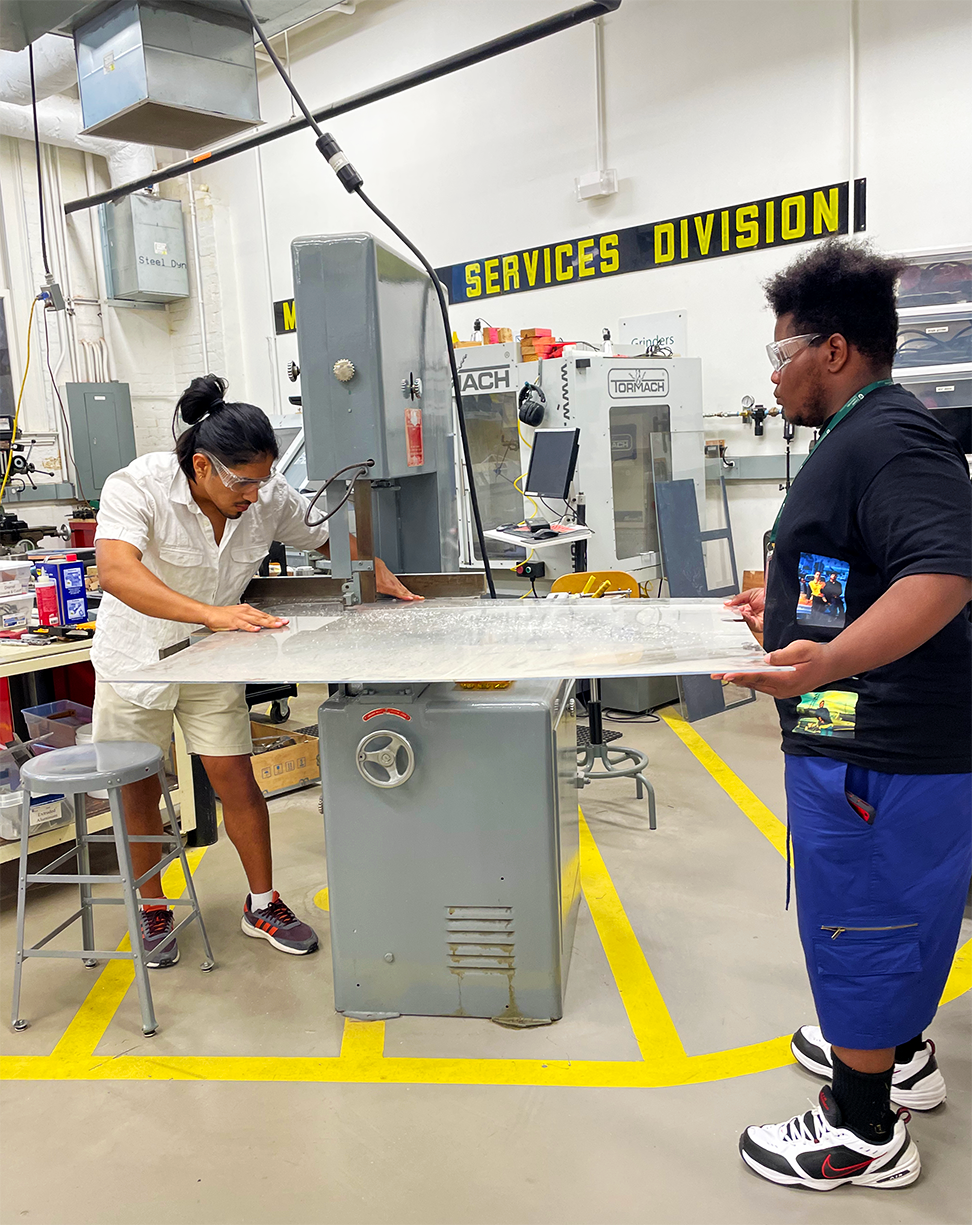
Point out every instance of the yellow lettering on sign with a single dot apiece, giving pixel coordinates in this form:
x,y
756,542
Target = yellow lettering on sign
x,y
747,226
793,218
511,272
531,268
492,275
826,213
585,253
770,220
290,316
664,242
610,256
564,274
683,228
725,229
703,232
546,265
474,284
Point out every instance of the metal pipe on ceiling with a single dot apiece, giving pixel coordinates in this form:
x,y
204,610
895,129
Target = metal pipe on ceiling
x,y
431,72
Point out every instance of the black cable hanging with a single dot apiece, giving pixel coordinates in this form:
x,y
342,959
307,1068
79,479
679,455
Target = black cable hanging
x,y
37,158
353,182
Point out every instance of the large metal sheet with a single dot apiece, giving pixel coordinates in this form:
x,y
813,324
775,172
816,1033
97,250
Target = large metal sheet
x,y
473,640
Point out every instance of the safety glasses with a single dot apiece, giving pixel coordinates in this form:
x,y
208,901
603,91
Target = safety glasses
x,y
233,481
780,352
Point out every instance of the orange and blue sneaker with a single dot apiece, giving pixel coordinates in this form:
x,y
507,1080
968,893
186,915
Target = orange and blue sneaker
x,y
278,924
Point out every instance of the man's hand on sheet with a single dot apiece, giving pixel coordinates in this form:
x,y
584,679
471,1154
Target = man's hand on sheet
x,y
242,617
750,604
387,584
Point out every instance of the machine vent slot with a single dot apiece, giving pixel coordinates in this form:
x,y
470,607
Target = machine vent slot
x,y
480,938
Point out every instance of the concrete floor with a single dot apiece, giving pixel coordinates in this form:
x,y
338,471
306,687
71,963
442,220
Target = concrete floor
x,y
704,895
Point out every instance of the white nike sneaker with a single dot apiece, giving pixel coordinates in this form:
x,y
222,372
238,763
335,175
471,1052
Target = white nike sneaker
x,y
815,1150
916,1085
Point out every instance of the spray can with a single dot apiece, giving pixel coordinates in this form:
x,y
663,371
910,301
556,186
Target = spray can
x,y
45,591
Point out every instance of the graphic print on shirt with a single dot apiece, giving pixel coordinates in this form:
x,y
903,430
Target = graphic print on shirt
x,y
823,588
831,712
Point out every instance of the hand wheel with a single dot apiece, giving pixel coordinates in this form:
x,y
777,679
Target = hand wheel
x,y
385,759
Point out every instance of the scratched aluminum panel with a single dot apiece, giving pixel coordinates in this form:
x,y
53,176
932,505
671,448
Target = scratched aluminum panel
x,y
473,640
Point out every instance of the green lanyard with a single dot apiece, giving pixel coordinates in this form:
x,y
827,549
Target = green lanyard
x,y
836,419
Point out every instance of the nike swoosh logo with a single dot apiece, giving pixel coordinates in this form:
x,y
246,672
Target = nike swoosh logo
x,y
831,1171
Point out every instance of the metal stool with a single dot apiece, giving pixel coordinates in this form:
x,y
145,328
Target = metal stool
x,y
75,771
617,762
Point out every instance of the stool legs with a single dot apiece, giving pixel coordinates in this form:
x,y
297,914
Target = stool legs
x,y
84,869
16,1019
176,828
127,873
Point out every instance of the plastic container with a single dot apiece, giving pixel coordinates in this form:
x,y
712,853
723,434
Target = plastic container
x,y
83,736
45,589
15,611
14,576
57,721
46,812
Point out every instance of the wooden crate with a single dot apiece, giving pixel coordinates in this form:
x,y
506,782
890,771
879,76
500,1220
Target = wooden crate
x,y
285,769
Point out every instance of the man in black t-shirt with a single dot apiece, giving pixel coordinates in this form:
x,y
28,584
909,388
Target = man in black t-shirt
x,y
880,816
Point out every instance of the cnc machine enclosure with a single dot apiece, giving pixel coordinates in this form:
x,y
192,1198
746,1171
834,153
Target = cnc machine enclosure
x,y
455,893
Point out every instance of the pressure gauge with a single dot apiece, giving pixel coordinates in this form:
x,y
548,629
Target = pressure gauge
x,y
748,402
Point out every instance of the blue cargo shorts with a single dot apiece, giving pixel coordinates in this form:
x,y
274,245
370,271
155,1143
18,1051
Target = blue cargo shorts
x,y
882,865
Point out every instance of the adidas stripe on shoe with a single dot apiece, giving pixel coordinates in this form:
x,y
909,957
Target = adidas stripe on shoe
x,y
916,1085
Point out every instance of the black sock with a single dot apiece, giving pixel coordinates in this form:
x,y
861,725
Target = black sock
x,y
864,1099
908,1050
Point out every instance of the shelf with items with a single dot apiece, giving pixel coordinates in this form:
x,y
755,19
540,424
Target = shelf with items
x,y
934,277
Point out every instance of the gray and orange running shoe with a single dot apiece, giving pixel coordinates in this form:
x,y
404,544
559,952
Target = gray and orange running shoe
x,y
156,925
278,924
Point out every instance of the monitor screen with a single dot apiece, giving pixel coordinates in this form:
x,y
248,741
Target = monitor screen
x,y
552,463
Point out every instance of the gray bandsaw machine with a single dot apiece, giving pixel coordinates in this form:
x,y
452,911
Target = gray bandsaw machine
x,y
445,898
449,894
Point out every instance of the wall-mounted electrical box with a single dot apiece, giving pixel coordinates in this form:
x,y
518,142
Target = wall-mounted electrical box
x,y
167,73
102,434
145,249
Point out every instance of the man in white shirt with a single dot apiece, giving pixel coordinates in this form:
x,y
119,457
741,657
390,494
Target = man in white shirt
x,y
180,535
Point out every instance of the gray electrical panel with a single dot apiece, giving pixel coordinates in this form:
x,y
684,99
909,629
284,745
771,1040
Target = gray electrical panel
x,y
374,381
167,73
450,895
102,434
145,249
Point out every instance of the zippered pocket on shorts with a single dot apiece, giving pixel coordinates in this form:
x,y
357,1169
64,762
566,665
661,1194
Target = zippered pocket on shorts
x,y
863,950
893,927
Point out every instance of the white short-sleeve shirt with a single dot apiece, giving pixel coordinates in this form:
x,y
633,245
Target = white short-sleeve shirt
x,y
149,505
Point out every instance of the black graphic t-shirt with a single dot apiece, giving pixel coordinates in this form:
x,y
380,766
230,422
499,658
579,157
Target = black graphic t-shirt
x,y
886,494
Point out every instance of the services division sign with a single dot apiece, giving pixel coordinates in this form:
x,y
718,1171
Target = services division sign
x,y
775,222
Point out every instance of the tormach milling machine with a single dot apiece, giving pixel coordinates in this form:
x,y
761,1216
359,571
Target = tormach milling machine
x,y
448,894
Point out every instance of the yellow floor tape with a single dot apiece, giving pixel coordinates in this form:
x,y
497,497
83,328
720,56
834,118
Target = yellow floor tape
x,y
362,1060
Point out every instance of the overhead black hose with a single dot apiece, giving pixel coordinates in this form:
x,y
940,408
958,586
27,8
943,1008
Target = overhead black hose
x,y
341,165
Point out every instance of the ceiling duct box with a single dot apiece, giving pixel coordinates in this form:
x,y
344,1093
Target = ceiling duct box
x,y
145,249
168,74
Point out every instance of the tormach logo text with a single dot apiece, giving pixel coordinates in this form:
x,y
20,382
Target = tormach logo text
x,y
477,379
635,382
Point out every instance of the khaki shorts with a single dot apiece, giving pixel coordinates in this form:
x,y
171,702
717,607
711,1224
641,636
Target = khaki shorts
x,y
214,720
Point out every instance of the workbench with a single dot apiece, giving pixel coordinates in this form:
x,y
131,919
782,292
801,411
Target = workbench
x,y
18,660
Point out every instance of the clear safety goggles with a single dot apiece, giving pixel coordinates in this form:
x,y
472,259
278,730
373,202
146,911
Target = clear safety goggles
x,y
233,481
780,352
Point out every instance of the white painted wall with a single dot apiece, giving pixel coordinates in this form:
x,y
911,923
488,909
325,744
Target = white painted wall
x,y
709,103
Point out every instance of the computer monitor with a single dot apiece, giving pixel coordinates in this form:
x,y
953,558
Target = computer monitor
x,y
552,463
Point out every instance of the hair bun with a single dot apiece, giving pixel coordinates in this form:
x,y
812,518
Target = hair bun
x,y
202,396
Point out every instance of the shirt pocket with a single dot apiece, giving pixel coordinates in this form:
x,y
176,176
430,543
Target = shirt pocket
x,y
249,553
180,555
867,947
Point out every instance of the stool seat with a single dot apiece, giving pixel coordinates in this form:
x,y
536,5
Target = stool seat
x,y
91,767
